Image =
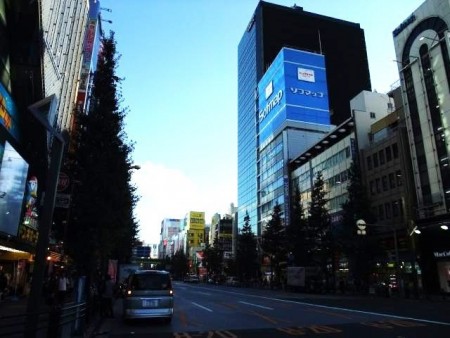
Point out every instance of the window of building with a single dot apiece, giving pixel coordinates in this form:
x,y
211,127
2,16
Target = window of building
x,y
398,174
378,184
375,160
395,150
395,209
391,180
372,115
384,182
387,210
372,187
381,156
388,154
369,162
381,212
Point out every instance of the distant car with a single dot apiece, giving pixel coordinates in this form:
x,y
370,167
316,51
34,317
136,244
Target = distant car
x,y
232,281
191,279
149,294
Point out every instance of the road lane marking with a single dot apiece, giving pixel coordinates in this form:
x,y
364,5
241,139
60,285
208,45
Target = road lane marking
x,y
332,314
202,307
260,306
337,308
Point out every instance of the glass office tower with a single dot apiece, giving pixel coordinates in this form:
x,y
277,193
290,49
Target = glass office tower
x,y
271,28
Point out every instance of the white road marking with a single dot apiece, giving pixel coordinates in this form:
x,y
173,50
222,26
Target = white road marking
x,y
202,307
336,308
262,307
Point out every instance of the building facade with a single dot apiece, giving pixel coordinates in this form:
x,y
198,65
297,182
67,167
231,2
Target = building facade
x,y
40,68
422,51
271,28
170,228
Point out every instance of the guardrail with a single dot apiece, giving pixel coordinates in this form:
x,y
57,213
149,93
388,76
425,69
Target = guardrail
x,y
67,321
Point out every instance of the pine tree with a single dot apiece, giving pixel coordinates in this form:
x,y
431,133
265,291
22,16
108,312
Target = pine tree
x,y
212,258
357,249
274,242
297,233
319,225
247,255
102,225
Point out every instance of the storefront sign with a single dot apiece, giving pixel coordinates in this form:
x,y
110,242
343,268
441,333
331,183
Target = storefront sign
x,y
441,254
404,24
269,106
301,91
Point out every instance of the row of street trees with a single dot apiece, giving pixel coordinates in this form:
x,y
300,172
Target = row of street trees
x,y
308,240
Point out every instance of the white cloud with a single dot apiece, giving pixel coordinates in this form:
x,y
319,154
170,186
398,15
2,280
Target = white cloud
x,y
169,193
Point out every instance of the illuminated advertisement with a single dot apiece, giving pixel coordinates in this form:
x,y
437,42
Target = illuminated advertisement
x,y
8,113
196,220
293,88
13,181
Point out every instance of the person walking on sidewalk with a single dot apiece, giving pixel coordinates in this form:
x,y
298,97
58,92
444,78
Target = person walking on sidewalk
x,y
3,283
107,297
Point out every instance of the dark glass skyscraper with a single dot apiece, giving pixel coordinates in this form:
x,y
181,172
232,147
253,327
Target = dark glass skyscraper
x,y
271,28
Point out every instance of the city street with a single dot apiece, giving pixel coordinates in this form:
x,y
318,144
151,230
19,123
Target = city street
x,y
219,311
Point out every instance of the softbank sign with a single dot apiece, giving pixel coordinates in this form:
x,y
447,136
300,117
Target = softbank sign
x,y
306,75
270,105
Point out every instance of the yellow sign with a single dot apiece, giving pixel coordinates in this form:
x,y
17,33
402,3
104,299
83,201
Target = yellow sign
x,y
196,220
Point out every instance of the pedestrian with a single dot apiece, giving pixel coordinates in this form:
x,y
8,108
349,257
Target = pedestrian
x,y
62,287
3,283
107,297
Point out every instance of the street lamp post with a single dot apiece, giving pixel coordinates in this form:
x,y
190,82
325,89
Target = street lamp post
x,y
361,225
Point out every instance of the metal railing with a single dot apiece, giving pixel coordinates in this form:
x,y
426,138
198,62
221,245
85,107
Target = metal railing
x,y
66,321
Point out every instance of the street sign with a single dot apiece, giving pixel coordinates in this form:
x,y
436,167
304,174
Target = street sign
x,y
62,201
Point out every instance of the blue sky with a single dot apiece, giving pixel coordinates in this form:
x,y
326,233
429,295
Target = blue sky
x,y
179,65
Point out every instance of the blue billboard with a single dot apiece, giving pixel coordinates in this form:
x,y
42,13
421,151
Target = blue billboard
x,y
293,88
8,113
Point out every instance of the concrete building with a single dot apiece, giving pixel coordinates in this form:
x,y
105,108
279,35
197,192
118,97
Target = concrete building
x,y
170,227
40,67
422,51
271,28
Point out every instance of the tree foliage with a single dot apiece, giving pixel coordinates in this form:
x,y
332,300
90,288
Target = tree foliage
x,y
319,223
359,250
180,264
212,259
274,241
102,225
297,233
247,255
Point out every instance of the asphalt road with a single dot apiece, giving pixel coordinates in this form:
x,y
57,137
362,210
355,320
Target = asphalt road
x,y
224,312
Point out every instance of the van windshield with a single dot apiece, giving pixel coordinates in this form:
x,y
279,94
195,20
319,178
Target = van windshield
x,y
150,282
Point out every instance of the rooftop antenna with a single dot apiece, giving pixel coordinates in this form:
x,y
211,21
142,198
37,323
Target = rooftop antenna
x,y
320,41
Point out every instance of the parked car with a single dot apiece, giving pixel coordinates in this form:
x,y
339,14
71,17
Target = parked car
x,y
149,294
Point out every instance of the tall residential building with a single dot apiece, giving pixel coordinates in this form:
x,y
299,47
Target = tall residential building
x,y
422,51
271,28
